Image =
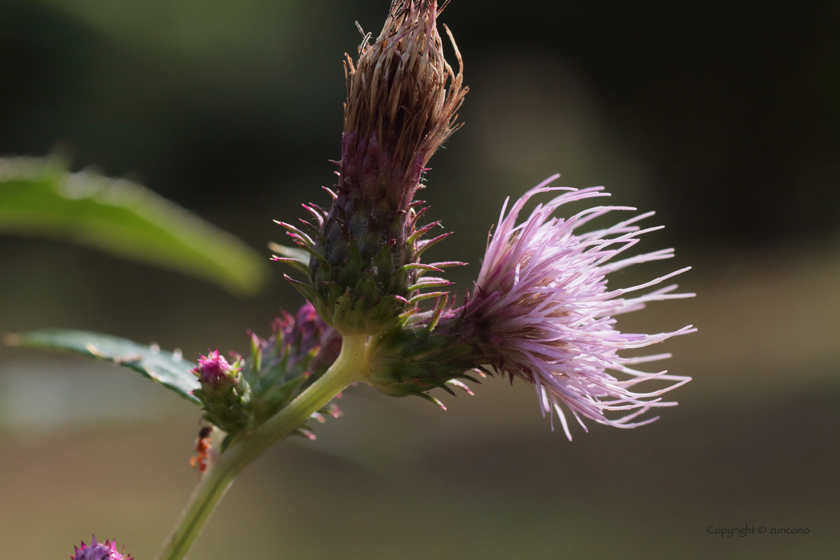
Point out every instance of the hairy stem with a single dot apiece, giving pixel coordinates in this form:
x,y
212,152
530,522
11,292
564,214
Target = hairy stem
x,y
350,366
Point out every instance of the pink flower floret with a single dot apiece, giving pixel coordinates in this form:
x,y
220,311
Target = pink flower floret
x,y
542,294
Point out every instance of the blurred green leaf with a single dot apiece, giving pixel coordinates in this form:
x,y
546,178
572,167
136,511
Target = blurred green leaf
x,y
168,368
40,197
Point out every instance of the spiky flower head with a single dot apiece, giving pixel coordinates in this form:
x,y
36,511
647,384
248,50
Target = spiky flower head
x,y
402,96
542,310
98,551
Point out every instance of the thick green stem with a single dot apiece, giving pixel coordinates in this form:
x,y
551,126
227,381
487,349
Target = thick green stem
x,y
350,366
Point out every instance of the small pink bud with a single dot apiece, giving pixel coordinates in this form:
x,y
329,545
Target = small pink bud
x,y
213,368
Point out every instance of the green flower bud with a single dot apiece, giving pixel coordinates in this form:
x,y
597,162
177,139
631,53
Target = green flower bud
x,y
225,394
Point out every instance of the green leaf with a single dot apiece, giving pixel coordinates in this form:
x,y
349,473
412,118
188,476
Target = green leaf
x,y
41,197
168,368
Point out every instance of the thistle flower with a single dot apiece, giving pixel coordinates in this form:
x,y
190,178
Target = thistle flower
x,y
98,551
542,310
401,102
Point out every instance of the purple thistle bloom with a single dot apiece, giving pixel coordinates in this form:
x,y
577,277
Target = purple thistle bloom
x,y
546,314
98,551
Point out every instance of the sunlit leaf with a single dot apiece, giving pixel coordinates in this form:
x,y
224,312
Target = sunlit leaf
x,y
40,197
167,368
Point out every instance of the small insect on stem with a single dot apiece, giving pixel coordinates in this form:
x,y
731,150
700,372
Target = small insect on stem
x,y
202,446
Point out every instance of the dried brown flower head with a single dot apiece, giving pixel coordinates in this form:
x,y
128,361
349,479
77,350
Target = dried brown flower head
x,y
397,94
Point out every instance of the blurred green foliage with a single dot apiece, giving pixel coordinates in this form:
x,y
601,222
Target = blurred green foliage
x,y
40,197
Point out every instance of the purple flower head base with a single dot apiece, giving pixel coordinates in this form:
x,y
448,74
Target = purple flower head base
x,y
307,341
98,551
547,313
305,332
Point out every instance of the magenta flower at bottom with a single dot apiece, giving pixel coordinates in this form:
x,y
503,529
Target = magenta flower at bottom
x,y
545,313
98,551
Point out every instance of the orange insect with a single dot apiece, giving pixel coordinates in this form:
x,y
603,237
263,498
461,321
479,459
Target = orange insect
x,y
202,446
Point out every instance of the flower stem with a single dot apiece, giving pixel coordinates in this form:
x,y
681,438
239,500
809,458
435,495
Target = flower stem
x,y
350,366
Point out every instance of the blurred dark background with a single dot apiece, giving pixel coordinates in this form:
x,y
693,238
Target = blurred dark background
x,y
724,117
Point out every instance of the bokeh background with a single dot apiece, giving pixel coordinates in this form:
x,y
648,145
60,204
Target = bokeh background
x,y
724,117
